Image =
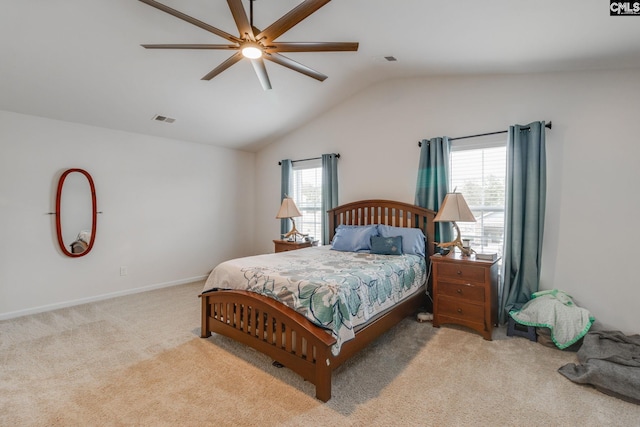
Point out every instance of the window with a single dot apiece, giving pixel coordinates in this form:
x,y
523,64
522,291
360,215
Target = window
x,y
478,171
307,193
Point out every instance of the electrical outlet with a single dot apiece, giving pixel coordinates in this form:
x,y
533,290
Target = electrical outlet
x,y
124,271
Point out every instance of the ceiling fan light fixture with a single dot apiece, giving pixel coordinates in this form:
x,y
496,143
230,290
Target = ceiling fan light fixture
x,y
251,50
254,44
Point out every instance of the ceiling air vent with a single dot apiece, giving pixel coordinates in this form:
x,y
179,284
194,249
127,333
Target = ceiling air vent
x,y
159,118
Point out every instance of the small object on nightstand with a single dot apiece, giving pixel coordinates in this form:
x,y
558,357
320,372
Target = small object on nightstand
x,y
487,256
466,243
311,240
442,251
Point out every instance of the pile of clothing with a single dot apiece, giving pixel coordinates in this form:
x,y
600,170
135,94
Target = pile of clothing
x,y
610,361
556,311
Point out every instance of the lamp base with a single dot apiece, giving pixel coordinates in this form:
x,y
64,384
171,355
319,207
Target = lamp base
x,y
457,243
293,232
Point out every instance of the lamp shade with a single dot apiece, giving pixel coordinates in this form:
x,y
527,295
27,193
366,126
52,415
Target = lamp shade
x,y
454,208
288,209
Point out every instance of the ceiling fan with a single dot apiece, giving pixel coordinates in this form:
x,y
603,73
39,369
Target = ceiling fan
x,y
258,45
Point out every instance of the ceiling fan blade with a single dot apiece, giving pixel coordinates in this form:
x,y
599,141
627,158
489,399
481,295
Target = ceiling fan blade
x,y
190,46
291,19
226,64
191,20
240,16
312,47
261,72
290,63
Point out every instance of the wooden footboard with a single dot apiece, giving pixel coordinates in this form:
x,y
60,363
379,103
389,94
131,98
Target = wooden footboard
x,y
287,336
273,329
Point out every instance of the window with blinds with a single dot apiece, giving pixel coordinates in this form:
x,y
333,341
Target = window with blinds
x,y
478,171
307,194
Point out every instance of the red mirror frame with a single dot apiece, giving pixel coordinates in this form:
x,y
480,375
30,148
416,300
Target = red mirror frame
x,y
94,213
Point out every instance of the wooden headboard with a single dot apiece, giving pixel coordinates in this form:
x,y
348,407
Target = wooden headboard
x,y
398,214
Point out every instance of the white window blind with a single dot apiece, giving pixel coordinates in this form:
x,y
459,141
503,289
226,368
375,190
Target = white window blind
x,y
478,171
307,194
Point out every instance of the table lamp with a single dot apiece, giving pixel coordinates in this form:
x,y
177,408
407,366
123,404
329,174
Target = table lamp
x,y
454,208
289,210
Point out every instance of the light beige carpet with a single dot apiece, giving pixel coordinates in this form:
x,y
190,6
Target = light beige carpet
x,y
138,360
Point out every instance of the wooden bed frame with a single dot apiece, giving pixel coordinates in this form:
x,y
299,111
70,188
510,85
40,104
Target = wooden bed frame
x,y
286,335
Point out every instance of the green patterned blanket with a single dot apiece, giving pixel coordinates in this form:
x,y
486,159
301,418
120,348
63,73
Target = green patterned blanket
x,y
335,290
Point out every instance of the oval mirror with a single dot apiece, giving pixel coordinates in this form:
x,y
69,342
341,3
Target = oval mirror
x,y
76,212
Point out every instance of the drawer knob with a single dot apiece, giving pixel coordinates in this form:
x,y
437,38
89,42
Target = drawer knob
x,y
459,310
459,272
459,290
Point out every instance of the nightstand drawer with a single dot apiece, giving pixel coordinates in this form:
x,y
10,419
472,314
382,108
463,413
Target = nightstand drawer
x,y
284,245
287,248
460,309
461,271
465,292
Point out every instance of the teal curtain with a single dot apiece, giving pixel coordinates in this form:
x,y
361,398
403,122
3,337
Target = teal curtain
x,y
433,181
526,189
329,191
285,191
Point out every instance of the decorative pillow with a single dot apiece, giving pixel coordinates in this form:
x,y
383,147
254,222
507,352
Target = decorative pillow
x,y
412,238
386,245
353,238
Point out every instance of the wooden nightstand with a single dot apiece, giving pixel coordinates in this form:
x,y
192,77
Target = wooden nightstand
x,y
284,245
465,292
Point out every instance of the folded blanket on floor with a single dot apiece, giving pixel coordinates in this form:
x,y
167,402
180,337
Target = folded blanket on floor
x,y
555,310
610,361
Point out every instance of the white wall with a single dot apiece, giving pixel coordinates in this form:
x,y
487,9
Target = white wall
x,y
592,154
171,211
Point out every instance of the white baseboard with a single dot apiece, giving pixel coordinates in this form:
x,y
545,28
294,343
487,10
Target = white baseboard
x,y
65,304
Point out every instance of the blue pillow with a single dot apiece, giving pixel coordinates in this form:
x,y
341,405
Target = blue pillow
x,y
412,238
354,238
386,245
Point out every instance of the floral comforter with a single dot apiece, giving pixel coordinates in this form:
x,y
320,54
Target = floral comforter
x,y
335,290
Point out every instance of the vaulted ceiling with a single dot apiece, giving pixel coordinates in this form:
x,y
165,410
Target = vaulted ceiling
x,y
81,60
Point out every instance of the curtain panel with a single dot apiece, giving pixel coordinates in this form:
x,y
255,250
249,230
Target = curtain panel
x,y
329,191
433,181
285,191
526,189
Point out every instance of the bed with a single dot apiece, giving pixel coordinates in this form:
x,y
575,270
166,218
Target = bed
x,y
307,343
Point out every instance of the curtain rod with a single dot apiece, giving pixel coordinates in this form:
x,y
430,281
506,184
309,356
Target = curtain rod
x,y
548,125
306,160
